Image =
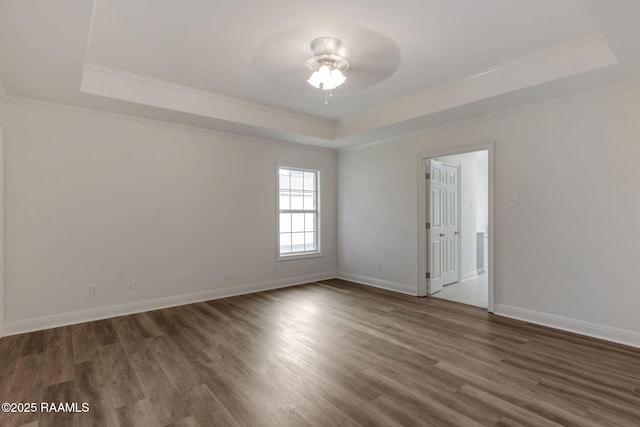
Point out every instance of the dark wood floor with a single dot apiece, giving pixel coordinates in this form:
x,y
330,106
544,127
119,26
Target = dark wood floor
x,y
323,354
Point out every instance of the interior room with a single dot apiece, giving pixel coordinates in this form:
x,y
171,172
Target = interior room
x,y
222,213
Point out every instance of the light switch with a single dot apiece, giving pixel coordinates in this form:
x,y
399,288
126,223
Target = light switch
x,y
514,201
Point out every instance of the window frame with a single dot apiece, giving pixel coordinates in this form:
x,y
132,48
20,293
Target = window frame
x,y
318,211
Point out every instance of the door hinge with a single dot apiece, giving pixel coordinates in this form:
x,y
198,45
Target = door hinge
x,y
427,176
428,226
427,275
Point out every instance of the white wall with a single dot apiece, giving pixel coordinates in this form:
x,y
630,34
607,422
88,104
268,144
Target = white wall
x,y
96,198
567,256
1,219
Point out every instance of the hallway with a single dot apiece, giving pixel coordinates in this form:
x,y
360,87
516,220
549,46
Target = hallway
x,y
472,292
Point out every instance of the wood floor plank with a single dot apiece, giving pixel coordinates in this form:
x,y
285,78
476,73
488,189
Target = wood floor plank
x,y
35,342
84,343
92,387
180,333
167,403
124,384
189,421
236,403
519,396
53,395
326,353
104,332
589,382
170,405
573,364
28,380
180,371
128,335
395,410
149,371
139,413
623,409
207,409
27,384
441,389
59,360
145,326
507,409
607,418
10,351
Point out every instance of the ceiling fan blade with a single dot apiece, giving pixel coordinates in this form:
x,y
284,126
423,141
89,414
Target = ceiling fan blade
x,y
372,56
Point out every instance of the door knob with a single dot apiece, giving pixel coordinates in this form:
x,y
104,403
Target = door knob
x,y
441,234
457,232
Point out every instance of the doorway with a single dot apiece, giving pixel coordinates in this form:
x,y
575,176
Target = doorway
x,y
456,216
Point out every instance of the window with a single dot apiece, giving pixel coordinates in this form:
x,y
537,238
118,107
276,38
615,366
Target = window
x,y
298,212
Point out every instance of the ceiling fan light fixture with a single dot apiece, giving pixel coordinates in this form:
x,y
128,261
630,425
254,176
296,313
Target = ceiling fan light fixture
x,y
327,64
325,73
314,80
337,77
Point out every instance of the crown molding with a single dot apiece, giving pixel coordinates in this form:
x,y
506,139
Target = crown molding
x,y
126,86
624,86
200,129
574,57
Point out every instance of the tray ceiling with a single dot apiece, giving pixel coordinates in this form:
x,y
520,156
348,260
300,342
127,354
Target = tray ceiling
x,y
239,66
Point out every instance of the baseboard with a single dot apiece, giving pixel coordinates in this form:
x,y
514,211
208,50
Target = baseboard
x,y
468,276
378,283
621,336
64,319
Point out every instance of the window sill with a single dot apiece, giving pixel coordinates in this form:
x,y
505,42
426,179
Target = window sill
x,y
299,256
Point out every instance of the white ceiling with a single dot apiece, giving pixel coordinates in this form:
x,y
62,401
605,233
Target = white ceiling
x,y
239,66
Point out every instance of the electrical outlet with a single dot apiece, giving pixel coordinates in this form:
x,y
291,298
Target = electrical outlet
x,y
379,265
93,289
133,285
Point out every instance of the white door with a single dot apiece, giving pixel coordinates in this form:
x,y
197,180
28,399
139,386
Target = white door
x,y
443,230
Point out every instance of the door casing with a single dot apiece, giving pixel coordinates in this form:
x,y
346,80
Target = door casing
x,y
423,215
